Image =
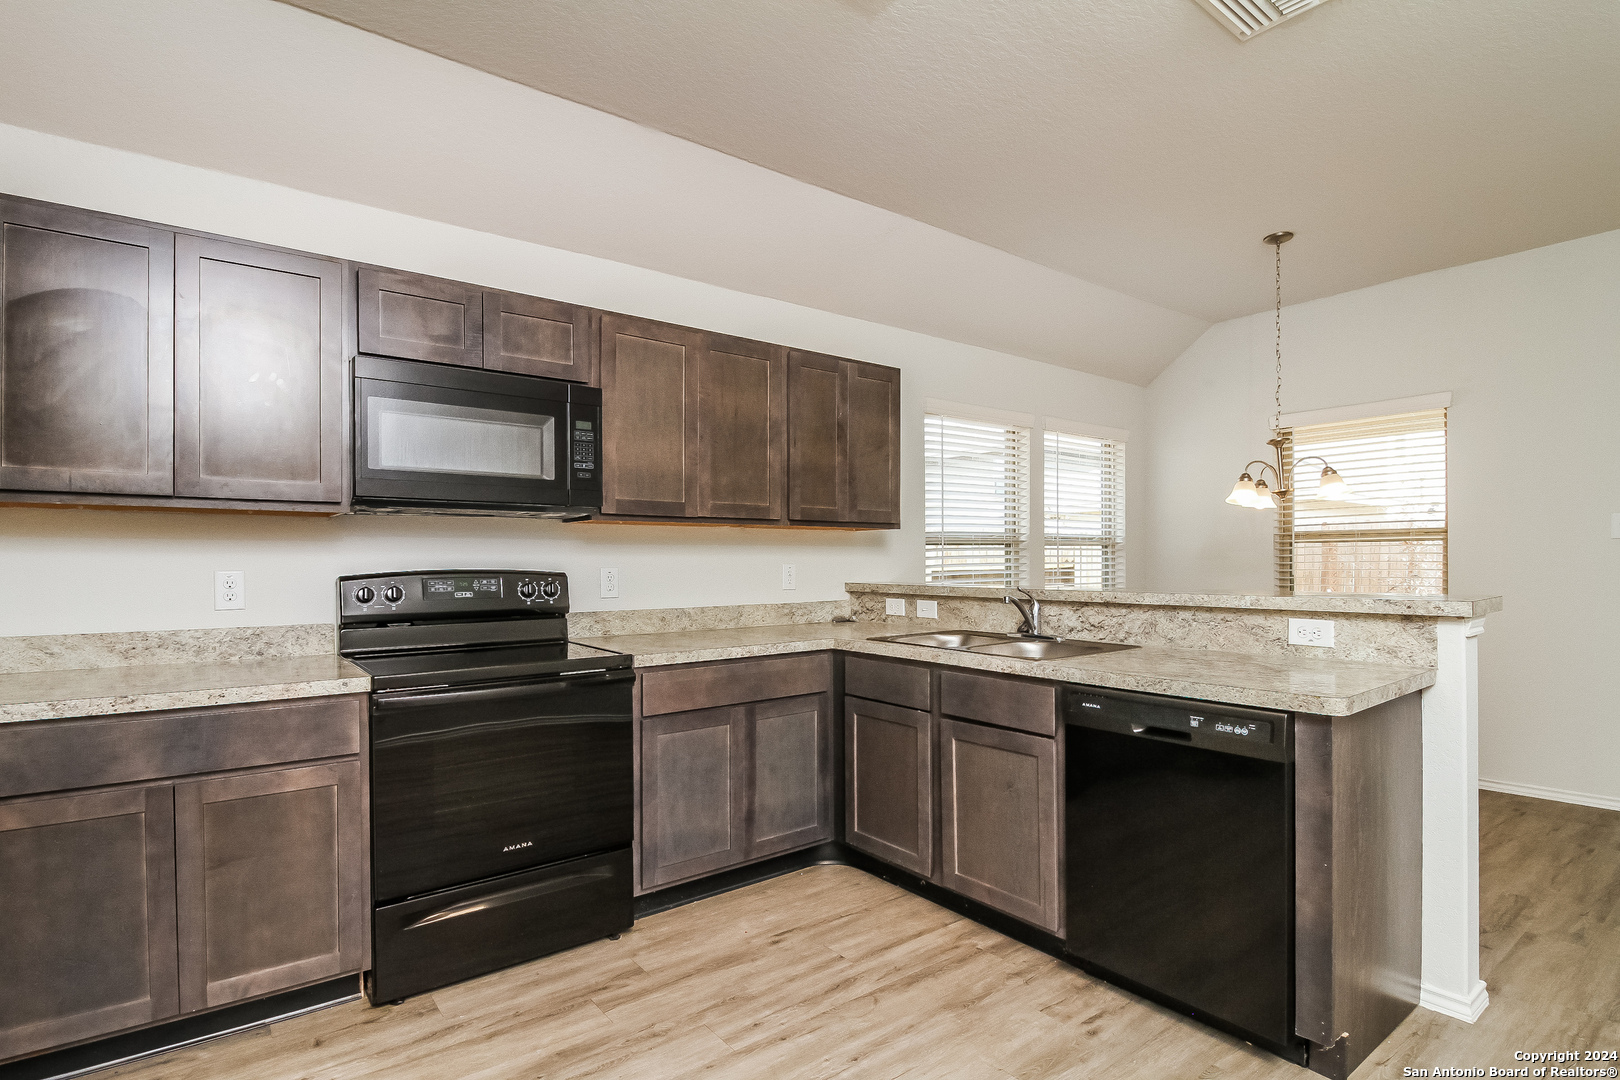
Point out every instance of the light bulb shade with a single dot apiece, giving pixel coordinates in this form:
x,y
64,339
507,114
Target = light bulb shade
x,y
1242,492
1333,485
1263,499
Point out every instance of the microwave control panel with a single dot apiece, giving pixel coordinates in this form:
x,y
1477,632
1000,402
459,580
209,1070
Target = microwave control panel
x,y
583,453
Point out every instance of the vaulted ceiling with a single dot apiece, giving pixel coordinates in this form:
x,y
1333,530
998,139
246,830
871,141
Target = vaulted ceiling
x,y
1134,144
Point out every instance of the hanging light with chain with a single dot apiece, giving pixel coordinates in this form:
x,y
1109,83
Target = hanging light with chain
x,y
1257,494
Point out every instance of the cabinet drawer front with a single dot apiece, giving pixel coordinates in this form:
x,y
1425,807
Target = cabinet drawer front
x,y
885,680
61,755
708,686
1007,701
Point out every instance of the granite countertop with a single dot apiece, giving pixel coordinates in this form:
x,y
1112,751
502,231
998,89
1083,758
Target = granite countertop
x,y
1441,607
1296,684
47,695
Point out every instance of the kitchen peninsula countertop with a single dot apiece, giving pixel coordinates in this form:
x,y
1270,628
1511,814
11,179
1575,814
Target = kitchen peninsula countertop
x,y
100,691
1296,684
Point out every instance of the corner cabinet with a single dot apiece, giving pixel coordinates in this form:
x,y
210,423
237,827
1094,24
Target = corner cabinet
x,y
162,864
889,783
735,763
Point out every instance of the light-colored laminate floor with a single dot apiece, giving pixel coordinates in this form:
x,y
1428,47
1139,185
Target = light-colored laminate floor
x,y
829,972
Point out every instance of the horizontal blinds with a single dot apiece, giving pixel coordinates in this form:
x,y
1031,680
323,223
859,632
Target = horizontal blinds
x,y
976,500
1084,498
1388,534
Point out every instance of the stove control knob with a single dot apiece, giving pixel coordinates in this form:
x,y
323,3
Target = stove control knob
x,y
365,594
528,590
393,594
551,590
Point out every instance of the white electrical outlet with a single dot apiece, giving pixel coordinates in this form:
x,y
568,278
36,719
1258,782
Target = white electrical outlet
x,y
790,576
230,590
1317,632
894,605
1614,526
928,609
610,582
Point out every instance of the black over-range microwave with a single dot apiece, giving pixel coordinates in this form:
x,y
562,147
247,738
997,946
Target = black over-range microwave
x,y
436,437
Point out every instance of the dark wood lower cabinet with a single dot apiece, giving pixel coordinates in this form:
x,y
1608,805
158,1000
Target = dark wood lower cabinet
x,y
271,875
999,798
889,785
87,944
725,786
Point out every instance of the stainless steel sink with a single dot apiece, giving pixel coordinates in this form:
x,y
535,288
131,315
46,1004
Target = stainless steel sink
x,y
993,644
950,639
1031,649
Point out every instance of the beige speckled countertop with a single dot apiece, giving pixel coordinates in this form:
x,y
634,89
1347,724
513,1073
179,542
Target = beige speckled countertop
x,y
1326,687
1442,607
47,695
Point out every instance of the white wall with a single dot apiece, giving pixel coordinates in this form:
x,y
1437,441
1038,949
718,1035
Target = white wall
x,y
68,571
1529,346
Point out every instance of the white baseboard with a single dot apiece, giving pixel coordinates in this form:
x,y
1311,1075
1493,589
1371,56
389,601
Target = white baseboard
x,y
1466,1009
1579,798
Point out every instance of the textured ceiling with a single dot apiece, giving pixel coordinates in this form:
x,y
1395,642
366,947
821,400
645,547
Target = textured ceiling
x,y
1134,144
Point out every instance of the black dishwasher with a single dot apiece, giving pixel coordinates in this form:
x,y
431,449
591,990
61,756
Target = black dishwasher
x,y
1180,856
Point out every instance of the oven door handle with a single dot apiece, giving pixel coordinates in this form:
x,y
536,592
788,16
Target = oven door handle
x,y
383,700
515,895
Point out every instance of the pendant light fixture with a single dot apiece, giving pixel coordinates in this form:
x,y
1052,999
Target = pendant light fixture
x,y
1257,494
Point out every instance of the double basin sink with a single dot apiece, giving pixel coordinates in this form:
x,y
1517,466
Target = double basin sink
x,y
1016,645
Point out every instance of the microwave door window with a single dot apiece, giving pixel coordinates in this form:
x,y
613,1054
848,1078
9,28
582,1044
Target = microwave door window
x,y
432,437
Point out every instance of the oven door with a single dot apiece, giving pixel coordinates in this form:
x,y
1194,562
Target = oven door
x,y
463,437
470,783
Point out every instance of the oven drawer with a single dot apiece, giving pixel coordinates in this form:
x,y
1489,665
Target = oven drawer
x,y
436,940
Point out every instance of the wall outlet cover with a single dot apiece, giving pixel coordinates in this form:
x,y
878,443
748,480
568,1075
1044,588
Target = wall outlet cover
x,y
928,609
230,590
894,605
1314,632
610,582
790,576
1614,526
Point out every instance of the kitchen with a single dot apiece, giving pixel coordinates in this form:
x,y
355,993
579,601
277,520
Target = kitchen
x,y
1523,342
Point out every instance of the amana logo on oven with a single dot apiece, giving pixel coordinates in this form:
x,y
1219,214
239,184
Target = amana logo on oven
x,y
515,847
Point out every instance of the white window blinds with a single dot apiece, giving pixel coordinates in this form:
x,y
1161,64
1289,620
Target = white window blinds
x,y
1389,534
976,481
1085,512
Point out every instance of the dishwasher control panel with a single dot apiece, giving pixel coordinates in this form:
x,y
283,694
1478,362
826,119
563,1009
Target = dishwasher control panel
x,y
1230,728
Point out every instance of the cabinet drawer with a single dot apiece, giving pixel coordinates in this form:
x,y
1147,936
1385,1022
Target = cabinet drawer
x,y
708,686
62,755
1004,700
885,680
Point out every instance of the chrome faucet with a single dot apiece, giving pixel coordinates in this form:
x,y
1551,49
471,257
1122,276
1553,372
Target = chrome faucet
x,y
1031,611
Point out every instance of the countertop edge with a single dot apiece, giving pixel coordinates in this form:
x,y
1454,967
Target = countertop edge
x,y
180,699
1424,607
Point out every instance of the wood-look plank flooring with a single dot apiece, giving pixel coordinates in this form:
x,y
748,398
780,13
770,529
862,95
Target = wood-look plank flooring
x,y
832,973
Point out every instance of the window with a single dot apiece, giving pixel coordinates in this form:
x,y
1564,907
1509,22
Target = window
x,y
977,505
1084,499
1389,535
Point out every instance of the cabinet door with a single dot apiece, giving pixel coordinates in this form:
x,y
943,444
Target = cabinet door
x,y
818,488
872,436
649,417
272,881
742,429
691,805
998,809
531,336
790,783
416,317
888,760
258,373
87,386
87,945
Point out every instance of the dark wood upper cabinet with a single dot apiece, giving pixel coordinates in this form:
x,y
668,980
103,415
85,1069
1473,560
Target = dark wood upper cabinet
x,y
258,373
271,872
88,940
872,434
86,397
649,417
742,429
844,432
416,317
531,336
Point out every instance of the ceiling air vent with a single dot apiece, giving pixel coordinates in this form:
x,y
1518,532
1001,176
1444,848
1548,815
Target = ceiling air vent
x,y
1246,18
